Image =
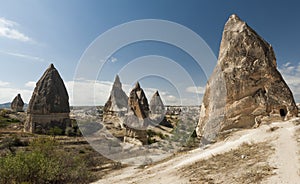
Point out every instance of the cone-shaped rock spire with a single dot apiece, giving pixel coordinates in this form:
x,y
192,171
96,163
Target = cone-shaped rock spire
x,y
118,100
17,104
138,102
245,88
156,104
49,104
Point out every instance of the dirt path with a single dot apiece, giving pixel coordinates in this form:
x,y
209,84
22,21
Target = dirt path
x,y
285,158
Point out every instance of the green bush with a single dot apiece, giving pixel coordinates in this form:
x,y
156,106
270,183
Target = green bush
x,y
73,131
44,163
55,131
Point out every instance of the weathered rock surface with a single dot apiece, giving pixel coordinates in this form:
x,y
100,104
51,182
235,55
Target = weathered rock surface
x,y
17,104
156,104
138,102
137,117
118,100
245,88
157,109
49,104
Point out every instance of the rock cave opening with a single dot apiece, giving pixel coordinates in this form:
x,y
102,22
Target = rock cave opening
x,y
282,112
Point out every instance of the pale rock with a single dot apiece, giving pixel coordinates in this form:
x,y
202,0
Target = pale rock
x,y
245,88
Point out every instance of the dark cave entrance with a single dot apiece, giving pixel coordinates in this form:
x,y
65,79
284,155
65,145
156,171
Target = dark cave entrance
x,y
282,112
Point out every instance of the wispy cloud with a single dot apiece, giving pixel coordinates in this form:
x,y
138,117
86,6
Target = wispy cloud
x,y
90,92
8,30
291,74
24,56
3,84
7,92
194,89
30,84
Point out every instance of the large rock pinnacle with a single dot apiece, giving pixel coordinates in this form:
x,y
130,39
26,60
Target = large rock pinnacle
x,y
118,100
245,88
49,104
138,102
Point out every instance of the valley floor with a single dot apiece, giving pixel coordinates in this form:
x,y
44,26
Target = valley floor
x,y
268,154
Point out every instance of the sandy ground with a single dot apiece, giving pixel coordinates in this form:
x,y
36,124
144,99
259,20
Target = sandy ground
x,y
285,159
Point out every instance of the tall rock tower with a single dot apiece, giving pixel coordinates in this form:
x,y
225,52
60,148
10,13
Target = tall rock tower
x,y
17,104
49,104
138,102
245,88
137,119
118,100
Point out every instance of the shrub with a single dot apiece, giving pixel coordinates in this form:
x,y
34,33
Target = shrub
x,y
55,131
43,164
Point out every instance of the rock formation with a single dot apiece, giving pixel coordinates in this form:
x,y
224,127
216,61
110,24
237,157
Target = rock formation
x,y
157,111
138,102
118,100
137,117
156,104
49,104
17,104
245,88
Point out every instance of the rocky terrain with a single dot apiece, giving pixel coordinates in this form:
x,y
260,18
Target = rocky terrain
x,y
246,130
267,154
248,123
162,140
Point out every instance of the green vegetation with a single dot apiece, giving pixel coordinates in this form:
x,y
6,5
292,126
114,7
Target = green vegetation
x,y
43,162
5,120
55,131
74,130
151,136
11,143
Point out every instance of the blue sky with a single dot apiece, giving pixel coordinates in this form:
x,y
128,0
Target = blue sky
x,y
35,33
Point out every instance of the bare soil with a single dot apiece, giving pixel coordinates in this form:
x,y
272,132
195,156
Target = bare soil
x,y
246,164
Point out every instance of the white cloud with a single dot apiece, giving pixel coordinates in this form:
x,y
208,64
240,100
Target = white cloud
x,y
7,92
8,30
3,84
88,92
194,89
291,75
24,56
30,84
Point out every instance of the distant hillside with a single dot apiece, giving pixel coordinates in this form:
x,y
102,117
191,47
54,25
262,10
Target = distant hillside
x,y
7,105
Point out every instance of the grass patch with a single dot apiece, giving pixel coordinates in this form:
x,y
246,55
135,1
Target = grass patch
x,y
246,164
5,120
